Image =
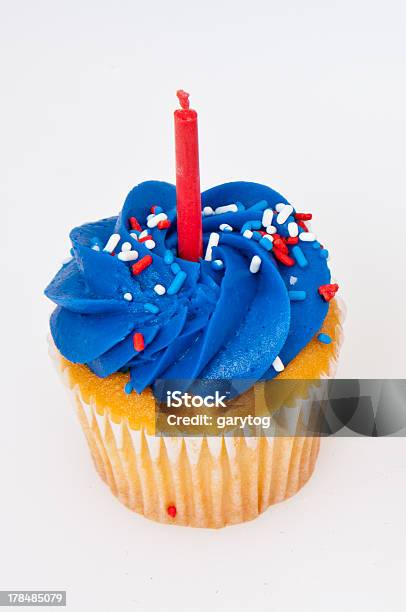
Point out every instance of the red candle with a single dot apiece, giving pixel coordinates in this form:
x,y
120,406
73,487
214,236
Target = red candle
x,y
188,199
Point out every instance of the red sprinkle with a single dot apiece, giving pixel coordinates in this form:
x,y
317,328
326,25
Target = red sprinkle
x,y
164,224
303,216
134,224
152,209
143,263
283,258
327,292
138,341
280,246
303,225
147,237
292,240
171,510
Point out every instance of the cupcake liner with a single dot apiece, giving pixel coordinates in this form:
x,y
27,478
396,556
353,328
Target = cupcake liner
x,y
201,481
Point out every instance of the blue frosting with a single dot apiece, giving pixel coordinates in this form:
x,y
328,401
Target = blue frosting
x,y
217,321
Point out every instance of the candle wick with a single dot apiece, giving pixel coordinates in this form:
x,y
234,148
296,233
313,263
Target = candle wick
x,y
183,98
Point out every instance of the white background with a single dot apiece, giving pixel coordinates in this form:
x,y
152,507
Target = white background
x,y
308,97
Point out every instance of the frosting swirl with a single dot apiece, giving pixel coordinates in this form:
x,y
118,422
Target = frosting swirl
x,y
125,301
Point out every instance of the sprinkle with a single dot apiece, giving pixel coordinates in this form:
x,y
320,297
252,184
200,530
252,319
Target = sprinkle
x,y
213,242
225,209
135,236
255,264
284,214
303,225
128,255
156,219
257,236
128,297
290,240
128,388
251,225
297,296
96,247
307,237
177,283
271,229
278,365
169,257
156,210
266,243
267,217
248,234
283,258
280,245
293,280
143,263
324,338
150,244
207,211
293,229
240,206
151,308
138,342
112,243
171,510
323,253
279,207
134,224
316,244
126,246
299,256
261,205
225,227
327,292
175,267
144,236
303,216
164,224
160,289
217,264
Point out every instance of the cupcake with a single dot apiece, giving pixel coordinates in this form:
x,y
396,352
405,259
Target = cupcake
x,y
259,305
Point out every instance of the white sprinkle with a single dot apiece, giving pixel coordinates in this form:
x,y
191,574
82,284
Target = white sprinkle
x,y
271,229
135,236
128,255
207,211
248,234
126,246
284,214
225,209
128,297
156,219
213,242
278,365
225,227
160,289
150,244
293,229
293,280
268,237
219,263
279,207
112,243
143,234
255,264
307,237
96,247
150,216
267,217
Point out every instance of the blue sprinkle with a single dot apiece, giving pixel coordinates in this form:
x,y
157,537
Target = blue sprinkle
x,y
266,244
260,205
217,264
128,388
316,245
157,210
297,296
175,267
177,283
299,256
240,206
325,338
169,257
251,225
257,236
151,308
323,253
